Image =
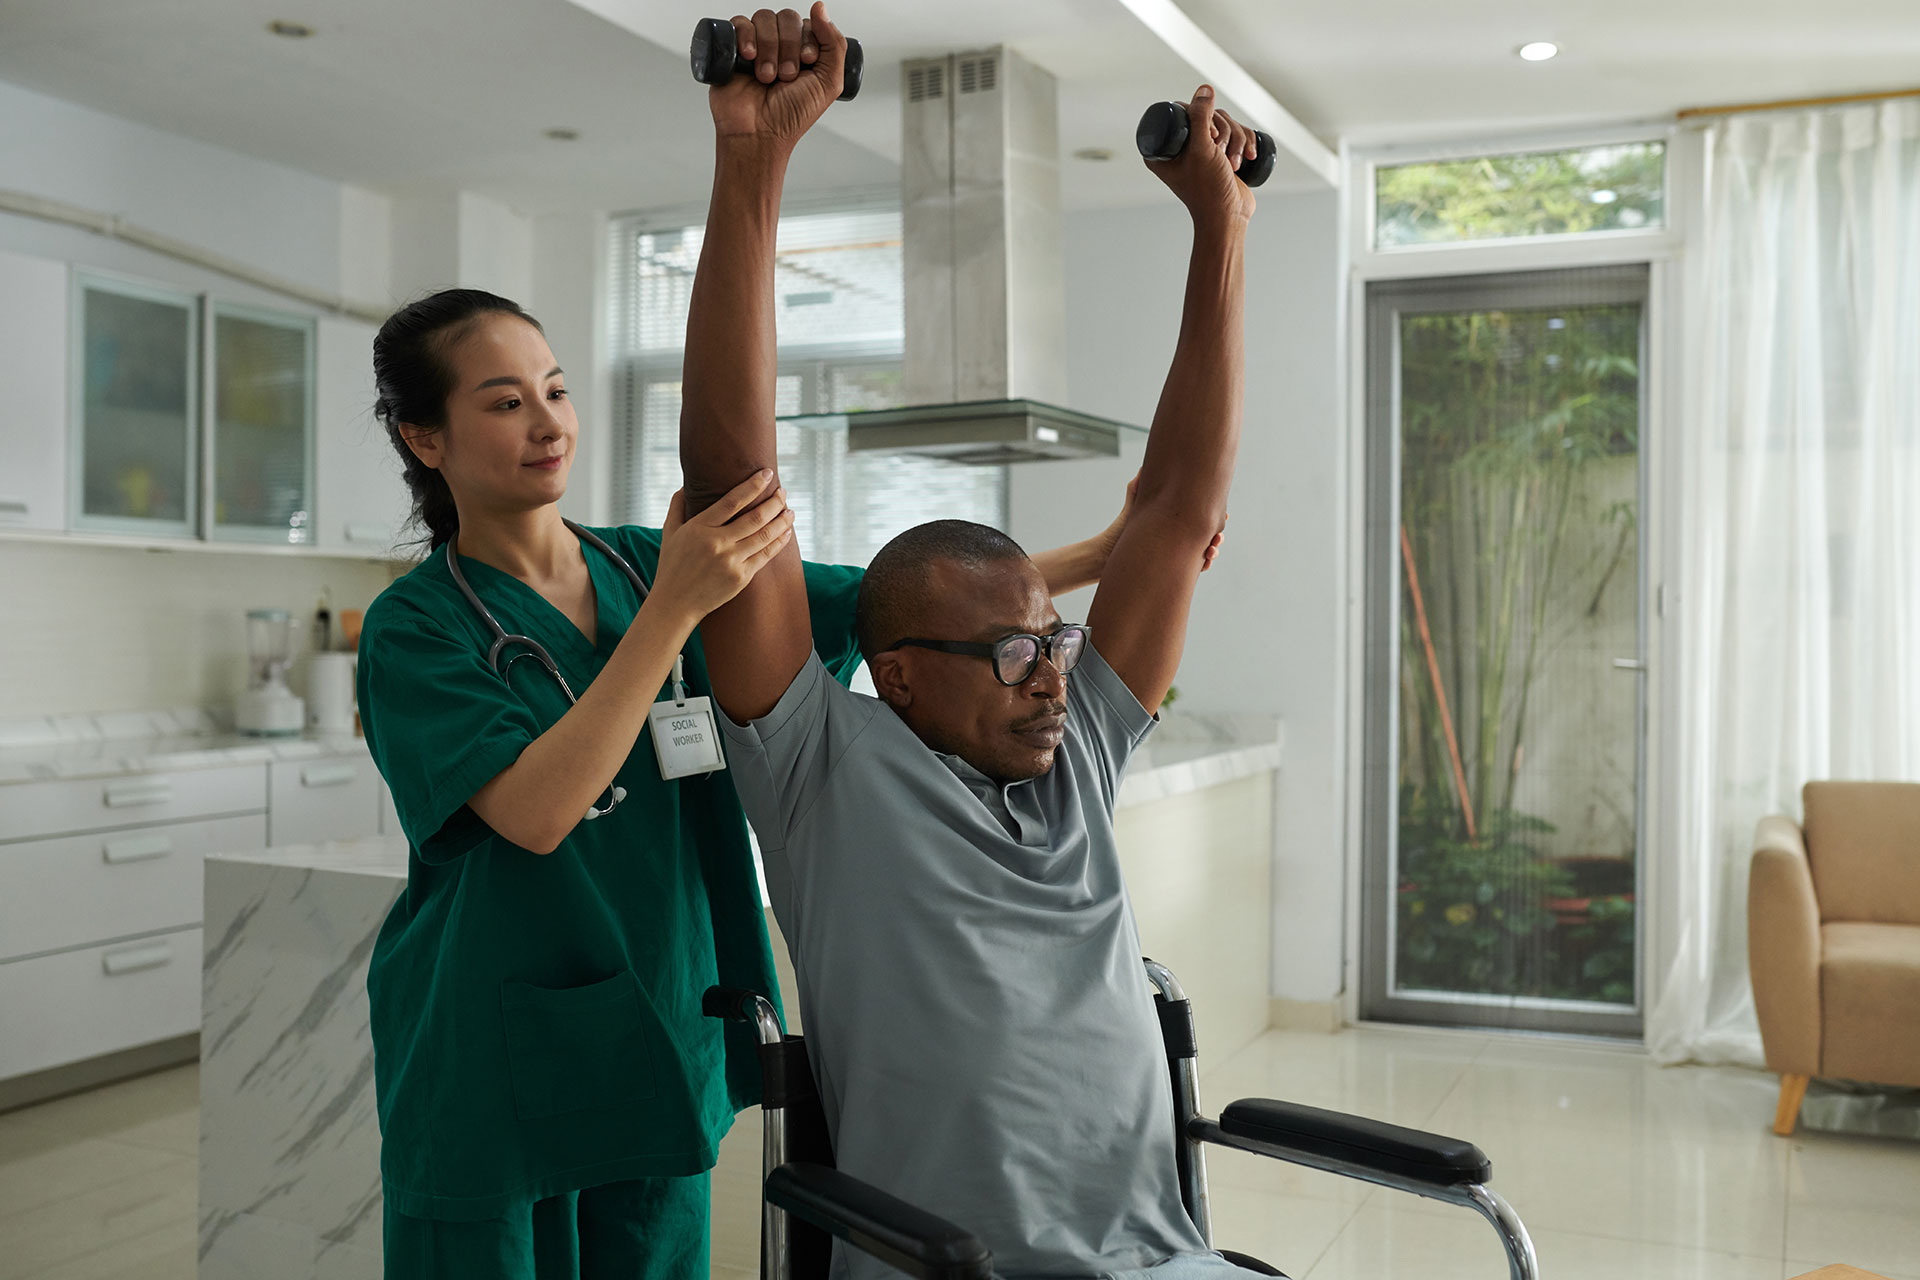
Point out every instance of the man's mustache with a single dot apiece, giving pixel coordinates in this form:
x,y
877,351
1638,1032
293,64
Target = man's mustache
x,y
1053,711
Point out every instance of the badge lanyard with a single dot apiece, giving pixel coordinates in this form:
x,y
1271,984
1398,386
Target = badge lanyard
x,y
684,739
689,745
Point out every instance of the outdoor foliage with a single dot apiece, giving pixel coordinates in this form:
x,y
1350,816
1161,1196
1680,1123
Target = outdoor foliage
x,y
1502,415
1536,194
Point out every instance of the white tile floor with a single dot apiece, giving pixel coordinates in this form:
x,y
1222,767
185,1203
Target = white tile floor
x,y
1620,1169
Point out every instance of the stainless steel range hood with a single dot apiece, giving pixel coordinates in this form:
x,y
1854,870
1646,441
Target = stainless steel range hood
x,y
985,360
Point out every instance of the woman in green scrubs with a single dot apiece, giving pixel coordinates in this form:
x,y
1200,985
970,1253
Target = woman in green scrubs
x,y
550,1095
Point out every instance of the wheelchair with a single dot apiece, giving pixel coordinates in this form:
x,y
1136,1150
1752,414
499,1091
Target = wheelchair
x,y
807,1201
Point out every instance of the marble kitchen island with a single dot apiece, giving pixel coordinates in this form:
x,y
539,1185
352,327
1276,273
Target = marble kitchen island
x,y
289,1140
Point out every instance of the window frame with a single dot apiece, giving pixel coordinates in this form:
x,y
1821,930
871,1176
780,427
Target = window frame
x,y
1516,253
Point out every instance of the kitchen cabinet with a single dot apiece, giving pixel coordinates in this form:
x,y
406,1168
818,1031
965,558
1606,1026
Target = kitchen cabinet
x,y
326,798
260,432
102,888
136,408
360,500
33,392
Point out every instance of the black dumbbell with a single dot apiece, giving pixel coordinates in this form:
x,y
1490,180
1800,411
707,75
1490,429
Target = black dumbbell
x,y
716,57
1162,135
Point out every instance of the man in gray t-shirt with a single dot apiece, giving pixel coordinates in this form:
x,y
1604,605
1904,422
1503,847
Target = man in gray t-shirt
x,y
942,857
970,975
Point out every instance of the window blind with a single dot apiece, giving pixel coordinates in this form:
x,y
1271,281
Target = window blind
x,y
840,320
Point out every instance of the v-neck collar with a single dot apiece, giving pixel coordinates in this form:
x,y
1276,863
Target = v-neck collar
x,y
543,618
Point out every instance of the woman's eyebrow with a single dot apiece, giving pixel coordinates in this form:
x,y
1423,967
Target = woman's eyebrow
x,y
510,380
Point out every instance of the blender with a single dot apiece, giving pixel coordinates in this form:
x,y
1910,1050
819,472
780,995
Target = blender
x,y
268,708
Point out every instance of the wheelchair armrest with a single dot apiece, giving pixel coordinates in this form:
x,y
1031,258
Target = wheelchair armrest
x,y
1425,1158
886,1227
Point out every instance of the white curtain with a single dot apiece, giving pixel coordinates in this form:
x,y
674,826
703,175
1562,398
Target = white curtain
x,y
1799,603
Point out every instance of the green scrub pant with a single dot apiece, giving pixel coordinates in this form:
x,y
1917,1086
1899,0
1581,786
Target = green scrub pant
x,y
651,1229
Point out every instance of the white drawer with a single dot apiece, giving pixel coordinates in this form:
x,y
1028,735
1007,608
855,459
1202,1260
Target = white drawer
x,y
325,798
29,810
71,891
79,1004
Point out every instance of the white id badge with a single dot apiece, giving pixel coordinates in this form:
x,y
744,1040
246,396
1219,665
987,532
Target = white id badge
x,y
685,739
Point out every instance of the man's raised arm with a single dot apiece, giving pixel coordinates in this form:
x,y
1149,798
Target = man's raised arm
x,y
1139,615
758,642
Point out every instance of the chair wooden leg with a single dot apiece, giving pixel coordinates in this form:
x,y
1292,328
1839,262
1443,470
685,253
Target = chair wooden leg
x,y
1792,1090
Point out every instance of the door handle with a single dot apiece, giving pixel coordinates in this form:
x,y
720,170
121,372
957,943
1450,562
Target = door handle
x,y
1629,664
328,775
137,848
133,959
124,794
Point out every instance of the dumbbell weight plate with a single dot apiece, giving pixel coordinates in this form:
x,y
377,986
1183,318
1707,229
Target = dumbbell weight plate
x,y
1163,133
715,54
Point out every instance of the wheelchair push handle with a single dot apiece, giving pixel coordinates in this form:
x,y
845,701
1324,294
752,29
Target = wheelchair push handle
x,y
715,54
737,1004
1163,131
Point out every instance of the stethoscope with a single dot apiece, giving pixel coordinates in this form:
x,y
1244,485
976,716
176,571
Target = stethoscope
x,y
613,795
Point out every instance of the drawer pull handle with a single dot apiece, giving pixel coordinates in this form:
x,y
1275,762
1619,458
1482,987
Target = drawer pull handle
x,y
127,794
328,775
14,507
137,848
133,959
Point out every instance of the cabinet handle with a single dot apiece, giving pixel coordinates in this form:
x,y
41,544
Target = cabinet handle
x,y
149,955
137,848
328,775
15,507
122,795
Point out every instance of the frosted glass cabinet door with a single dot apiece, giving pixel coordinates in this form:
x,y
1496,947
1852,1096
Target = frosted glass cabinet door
x,y
136,407
262,460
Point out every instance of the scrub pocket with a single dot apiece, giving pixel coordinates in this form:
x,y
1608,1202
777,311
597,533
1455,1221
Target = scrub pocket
x,y
578,1048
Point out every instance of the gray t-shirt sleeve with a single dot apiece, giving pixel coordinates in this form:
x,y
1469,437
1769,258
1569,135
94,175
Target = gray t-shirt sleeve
x,y
781,761
1109,721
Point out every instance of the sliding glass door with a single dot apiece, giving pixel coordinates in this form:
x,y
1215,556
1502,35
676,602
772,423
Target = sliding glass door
x,y
1505,713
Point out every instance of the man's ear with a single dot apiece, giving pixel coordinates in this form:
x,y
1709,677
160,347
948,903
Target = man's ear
x,y
424,441
890,680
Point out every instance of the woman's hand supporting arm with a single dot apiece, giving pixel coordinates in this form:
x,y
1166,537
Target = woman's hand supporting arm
x,y
704,562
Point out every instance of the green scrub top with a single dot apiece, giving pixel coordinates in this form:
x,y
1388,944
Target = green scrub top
x,y
536,1020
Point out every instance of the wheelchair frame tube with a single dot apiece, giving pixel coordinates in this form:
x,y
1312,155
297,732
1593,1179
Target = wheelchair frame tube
x,y
1192,1152
1522,1263
773,1154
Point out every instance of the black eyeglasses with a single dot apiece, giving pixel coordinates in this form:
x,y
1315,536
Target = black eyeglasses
x,y
1015,657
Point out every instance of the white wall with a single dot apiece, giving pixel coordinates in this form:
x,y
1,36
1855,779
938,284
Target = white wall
x,y
99,628
294,224
112,629
1266,626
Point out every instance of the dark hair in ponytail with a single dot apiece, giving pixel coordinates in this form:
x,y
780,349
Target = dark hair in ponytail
x,y
412,379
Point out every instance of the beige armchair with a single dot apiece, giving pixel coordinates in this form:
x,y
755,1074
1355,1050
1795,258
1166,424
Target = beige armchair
x,y
1833,939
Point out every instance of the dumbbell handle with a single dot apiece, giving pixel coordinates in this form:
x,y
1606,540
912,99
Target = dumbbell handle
x,y
716,57
1163,131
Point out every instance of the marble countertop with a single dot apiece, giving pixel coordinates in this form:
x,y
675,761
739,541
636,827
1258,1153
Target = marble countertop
x,y
1189,750
171,741
1185,754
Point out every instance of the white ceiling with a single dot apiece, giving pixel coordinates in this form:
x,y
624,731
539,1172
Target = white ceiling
x,y
403,95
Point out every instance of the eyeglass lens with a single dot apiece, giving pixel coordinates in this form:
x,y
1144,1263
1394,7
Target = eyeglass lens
x,y
1017,656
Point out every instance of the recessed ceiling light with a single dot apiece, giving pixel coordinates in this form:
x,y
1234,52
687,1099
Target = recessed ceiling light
x,y
563,135
1539,50
1093,153
291,30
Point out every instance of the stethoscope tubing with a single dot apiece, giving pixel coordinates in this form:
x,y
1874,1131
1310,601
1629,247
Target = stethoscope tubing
x,y
503,639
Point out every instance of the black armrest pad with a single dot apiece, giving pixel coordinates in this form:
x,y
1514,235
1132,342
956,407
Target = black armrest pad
x,y
890,1229
1387,1148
